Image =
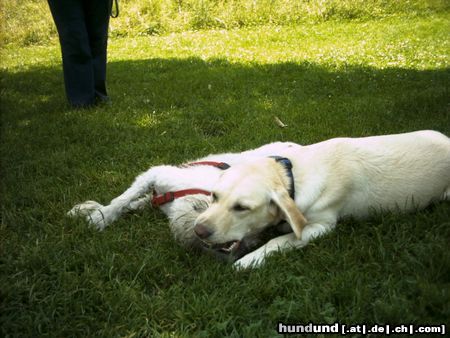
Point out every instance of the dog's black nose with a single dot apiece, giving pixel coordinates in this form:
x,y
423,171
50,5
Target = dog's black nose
x,y
202,231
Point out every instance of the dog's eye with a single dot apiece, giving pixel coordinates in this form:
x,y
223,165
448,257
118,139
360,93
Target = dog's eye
x,y
214,197
240,207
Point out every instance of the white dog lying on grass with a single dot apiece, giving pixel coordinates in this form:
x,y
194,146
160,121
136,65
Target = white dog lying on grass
x,y
181,192
312,187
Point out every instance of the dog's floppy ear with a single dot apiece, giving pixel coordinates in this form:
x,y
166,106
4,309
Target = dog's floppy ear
x,y
291,212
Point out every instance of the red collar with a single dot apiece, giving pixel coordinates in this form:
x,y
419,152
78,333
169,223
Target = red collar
x,y
169,196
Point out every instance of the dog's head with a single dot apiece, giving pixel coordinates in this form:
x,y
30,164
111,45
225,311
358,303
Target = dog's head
x,y
184,211
247,199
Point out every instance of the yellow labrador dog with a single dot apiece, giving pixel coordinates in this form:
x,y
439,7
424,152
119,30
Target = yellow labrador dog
x,y
331,179
182,193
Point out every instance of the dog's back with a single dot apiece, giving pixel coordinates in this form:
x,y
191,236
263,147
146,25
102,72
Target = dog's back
x,y
403,171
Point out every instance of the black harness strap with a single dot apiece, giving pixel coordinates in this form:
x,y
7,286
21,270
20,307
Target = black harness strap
x,y
287,164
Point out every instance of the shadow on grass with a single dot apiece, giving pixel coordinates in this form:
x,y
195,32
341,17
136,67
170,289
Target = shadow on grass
x,y
173,110
217,95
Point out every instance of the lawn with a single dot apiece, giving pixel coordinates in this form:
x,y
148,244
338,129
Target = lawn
x,y
183,95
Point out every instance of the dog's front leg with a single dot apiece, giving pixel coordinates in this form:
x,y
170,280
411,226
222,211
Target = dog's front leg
x,y
84,209
289,241
133,198
256,258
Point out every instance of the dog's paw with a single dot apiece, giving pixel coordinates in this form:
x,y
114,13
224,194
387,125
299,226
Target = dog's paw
x,y
312,231
94,213
249,261
84,209
98,218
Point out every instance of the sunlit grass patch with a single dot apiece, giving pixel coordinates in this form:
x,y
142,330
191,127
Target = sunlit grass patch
x,y
29,22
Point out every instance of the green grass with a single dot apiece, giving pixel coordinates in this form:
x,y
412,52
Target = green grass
x,y
182,96
28,22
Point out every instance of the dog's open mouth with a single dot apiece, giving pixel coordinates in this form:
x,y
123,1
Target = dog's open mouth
x,y
233,250
228,247
230,251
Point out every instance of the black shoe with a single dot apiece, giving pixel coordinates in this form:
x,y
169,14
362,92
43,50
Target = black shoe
x,y
82,105
101,100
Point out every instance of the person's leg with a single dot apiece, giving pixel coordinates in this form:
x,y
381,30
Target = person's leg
x,y
76,51
97,21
